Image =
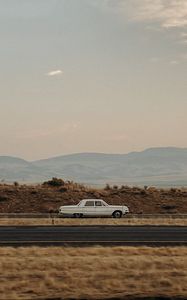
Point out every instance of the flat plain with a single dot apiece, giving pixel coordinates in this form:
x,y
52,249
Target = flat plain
x,y
92,272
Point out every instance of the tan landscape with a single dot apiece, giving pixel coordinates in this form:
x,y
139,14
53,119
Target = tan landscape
x,y
94,221
93,273
48,197
93,104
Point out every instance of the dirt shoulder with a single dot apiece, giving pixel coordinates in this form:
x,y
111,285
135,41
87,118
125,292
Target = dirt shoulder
x,y
92,221
44,198
93,273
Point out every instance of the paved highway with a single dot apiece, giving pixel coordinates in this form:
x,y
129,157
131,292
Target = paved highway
x,y
93,235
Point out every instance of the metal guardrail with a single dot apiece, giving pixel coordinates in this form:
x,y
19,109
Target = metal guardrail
x,y
128,216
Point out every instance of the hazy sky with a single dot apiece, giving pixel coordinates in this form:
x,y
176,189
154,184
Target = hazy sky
x,y
92,76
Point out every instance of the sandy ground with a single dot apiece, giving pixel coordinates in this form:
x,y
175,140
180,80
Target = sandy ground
x,y
93,221
92,273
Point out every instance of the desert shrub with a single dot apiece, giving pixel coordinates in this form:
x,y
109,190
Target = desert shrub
x,y
173,190
3,198
124,187
143,192
63,189
107,187
34,192
168,206
135,188
51,210
82,187
54,182
76,187
115,187
152,190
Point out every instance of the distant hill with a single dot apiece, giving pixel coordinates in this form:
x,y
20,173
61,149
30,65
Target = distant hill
x,y
155,166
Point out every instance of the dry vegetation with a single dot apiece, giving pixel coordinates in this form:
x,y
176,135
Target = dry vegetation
x,y
92,273
93,221
49,196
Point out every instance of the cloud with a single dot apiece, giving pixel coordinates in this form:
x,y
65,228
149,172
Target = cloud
x,y
174,62
55,73
168,13
183,37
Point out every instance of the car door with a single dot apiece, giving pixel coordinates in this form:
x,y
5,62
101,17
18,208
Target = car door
x,y
100,208
89,208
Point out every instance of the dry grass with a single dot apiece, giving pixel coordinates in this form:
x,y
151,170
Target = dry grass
x,y
46,198
93,221
92,273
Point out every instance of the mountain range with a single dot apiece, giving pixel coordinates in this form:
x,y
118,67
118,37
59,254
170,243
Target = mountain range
x,y
153,166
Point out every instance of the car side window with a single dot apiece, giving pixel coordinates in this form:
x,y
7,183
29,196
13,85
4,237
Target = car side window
x,y
89,203
98,203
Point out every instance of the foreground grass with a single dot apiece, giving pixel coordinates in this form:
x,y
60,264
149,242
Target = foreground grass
x,y
92,273
94,221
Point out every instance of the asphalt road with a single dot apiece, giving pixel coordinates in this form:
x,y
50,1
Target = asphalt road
x,y
93,235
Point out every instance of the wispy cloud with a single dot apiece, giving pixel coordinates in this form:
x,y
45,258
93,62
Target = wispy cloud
x,y
183,37
168,13
55,73
174,62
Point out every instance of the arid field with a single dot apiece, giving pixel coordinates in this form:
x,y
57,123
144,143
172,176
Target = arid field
x,y
92,273
93,221
51,195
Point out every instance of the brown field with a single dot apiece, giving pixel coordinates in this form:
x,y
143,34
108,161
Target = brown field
x,y
44,198
93,221
92,273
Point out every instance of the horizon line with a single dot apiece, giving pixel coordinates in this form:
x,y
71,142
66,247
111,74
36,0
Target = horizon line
x,y
96,153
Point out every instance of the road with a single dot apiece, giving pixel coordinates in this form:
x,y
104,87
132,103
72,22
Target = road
x,y
92,235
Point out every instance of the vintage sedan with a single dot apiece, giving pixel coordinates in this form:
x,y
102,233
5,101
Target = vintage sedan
x,y
93,207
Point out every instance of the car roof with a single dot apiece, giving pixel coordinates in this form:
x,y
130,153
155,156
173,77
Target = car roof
x,y
92,199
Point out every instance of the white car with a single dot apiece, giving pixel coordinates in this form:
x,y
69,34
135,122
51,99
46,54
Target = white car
x,y
93,207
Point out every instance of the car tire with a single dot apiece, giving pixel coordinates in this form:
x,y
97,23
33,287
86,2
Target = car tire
x,y
76,215
117,214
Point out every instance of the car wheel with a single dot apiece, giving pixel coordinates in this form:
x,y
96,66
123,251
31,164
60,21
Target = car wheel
x,y
117,214
78,215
